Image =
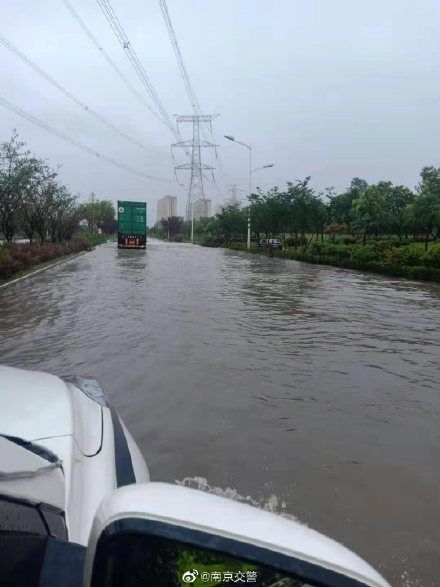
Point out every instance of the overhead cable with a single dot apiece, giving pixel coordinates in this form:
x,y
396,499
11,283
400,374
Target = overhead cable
x,y
186,79
109,60
124,41
68,139
69,94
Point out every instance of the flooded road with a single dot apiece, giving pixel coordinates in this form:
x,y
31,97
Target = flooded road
x,y
311,389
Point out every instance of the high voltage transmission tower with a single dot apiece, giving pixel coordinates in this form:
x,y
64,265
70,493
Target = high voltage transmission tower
x,y
197,111
196,192
233,189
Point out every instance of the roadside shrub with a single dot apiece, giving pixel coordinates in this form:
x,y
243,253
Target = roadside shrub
x,y
326,249
432,257
403,256
46,252
92,239
348,240
17,257
213,241
4,255
379,257
381,246
21,256
319,248
292,241
402,243
362,255
8,267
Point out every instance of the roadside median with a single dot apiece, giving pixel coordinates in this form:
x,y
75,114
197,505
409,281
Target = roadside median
x,y
20,260
385,257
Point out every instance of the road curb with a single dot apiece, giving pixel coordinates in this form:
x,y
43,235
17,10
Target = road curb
x,y
69,258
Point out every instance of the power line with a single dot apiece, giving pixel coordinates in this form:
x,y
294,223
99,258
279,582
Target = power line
x,y
196,189
109,60
184,73
187,81
189,88
76,143
124,41
69,94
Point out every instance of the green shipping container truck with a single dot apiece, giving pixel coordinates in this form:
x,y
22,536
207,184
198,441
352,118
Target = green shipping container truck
x,y
132,225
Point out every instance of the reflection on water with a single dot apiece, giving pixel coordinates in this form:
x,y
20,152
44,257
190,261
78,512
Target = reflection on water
x,y
275,378
132,264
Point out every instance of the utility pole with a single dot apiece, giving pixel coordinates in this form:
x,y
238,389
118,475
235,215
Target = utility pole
x,y
169,217
196,192
93,201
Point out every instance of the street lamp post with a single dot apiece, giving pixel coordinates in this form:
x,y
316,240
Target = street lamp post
x,y
248,242
249,215
233,139
249,147
192,221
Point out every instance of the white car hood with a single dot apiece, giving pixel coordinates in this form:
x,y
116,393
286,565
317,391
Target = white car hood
x,y
36,406
28,475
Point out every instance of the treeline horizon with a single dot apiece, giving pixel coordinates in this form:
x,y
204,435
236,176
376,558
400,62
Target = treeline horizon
x,y
34,203
299,214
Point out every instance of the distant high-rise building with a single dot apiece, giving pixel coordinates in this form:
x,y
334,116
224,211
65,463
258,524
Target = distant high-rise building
x,y
202,209
167,207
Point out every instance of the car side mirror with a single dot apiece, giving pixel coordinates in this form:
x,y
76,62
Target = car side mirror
x,y
159,534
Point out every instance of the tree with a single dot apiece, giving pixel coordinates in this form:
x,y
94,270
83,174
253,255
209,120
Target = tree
x,y
425,209
302,200
397,200
89,213
99,214
106,216
63,216
341,206
38,200
231,222
172,225
370,210
269,212
297,210
15,174
335,228
318,216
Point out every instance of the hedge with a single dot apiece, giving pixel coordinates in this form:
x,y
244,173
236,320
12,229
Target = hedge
x,y
15,258
385,257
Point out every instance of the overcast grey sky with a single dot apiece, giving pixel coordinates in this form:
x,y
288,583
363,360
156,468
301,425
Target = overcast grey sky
x,y
328,89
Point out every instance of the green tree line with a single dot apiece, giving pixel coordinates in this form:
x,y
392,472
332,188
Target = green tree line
x,y
299,215
34,203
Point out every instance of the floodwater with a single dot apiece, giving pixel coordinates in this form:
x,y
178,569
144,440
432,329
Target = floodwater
x,y
310,389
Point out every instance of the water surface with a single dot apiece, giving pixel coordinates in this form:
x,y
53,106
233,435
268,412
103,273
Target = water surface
x,y
310,387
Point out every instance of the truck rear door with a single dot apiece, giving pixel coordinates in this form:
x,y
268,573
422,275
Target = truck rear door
x,y
138,220
124,217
